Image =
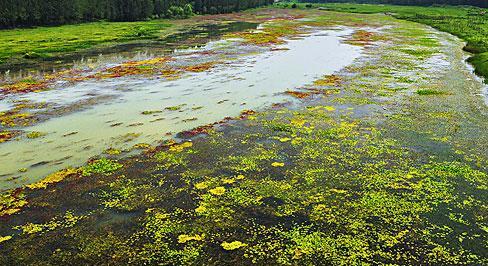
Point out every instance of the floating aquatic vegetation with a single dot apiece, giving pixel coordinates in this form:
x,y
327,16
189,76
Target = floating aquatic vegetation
x,y
201,185
277,164
112,151
185,238
329,80
128,137
35,134
189,119
245,113
362,38
17,116
54,178
151,112
122,71
218,191
151,61
272,33
6,136
66,221
141,146
12,119
299,94
178,147
125,195
205,129
168,160
114,125
5,238
70,134
329,108
175,108
12,202
101,166
200,67
233,245
24,86
171,73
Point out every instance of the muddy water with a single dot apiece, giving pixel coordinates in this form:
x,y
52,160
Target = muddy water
x,y
250,78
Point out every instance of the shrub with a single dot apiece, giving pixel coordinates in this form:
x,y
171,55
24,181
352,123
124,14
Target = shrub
x,y
188,10
176,12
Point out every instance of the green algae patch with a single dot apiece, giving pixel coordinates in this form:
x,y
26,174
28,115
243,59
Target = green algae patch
x,y
102,166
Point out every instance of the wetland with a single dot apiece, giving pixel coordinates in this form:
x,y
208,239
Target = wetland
x,y
280,137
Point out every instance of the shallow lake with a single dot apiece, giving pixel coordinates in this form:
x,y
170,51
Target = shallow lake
x,y
130,110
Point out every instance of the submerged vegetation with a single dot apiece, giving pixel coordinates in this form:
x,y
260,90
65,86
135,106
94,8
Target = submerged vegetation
x,y
371,166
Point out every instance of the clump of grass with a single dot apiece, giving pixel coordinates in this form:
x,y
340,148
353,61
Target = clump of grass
x,y
430,92
480,61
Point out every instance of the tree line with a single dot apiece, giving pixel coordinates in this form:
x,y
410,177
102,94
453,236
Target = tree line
x,y
478,3
21,13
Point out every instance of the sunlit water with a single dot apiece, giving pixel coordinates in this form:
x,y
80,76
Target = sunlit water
x,y
253,79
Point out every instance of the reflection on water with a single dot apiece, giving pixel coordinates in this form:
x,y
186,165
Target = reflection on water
x,y
250,78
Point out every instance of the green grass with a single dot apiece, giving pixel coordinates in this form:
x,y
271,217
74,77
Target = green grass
x,y
45,42
467,23
430,92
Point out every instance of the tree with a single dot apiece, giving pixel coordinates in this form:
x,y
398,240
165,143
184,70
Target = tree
x,y
19,13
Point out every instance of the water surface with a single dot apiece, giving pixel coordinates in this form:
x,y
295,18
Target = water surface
x,y
250,77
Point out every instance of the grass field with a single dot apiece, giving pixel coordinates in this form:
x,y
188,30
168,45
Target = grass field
x,y
467,23
45,42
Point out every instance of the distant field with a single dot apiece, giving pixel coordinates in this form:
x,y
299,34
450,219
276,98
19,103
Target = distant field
x,y
468,23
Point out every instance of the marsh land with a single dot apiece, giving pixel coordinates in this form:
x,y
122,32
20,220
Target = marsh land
x,y
333,134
